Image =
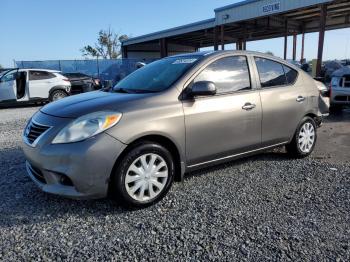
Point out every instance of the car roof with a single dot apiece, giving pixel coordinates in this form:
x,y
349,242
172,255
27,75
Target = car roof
x,y
238,52
40,69
341,72
234,52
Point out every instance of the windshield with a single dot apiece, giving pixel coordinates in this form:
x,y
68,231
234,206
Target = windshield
x,y
5,72
157,76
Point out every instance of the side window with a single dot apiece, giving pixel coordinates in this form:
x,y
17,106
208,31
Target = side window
x,y
229,74
271,73
40,75
291,74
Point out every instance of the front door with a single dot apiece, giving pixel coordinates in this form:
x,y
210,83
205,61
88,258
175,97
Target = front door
x,y
227,123
8,87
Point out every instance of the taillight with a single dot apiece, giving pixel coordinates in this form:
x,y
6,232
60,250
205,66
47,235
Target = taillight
x,y
65,79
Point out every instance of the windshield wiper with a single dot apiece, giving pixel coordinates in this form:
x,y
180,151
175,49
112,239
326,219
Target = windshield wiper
x,y
121,90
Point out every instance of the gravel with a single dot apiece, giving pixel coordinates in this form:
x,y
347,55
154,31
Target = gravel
x,y
266,207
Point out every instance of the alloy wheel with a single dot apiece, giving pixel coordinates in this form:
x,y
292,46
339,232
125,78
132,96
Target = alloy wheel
x,y
58,95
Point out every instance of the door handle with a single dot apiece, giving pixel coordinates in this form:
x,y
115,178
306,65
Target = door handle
x,y
248,106
300,99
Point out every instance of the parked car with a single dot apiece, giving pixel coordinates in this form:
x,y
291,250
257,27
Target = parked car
x,y
167,118
345,62
31,85
81,83
328,68
340,89
293,62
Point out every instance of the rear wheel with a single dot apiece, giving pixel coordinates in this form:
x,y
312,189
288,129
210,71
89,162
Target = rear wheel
x,y
57,95
304,140
144,175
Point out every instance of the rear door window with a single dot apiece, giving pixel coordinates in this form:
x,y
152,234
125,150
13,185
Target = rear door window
x,y
271,73
229,74
291,74
40,75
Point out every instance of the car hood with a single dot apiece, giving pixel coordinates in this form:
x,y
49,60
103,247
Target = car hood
x,y
78,105
341,72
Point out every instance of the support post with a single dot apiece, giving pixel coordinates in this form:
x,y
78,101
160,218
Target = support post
x,y
285,39
295,37
124,52
163,48
302,47
216,40
222,37
321,39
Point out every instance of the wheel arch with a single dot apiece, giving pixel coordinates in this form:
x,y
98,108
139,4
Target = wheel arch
x,y
162,140
59,87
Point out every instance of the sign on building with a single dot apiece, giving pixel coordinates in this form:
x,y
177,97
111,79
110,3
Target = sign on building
x,y
271,8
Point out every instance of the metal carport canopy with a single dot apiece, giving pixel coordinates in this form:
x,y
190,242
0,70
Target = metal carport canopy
x,y
249,20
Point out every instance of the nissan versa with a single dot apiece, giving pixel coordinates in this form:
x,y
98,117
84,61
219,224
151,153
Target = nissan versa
x,y
170,117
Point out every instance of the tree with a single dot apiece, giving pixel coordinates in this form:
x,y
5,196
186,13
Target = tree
x,y
269,53
107,46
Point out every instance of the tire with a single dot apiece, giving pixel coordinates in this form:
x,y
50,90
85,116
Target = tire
x,y
299,149
137,189
57,95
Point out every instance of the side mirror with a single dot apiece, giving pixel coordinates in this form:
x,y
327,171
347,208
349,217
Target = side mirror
x,y
140,65
203,88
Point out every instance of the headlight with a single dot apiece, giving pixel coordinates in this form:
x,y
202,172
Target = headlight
x,y
87,126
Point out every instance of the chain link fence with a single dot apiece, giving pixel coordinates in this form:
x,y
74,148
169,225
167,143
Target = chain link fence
x,y
105,69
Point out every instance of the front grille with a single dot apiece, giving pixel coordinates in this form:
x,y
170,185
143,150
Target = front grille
x,y
36,172
33,131
345,81
342,98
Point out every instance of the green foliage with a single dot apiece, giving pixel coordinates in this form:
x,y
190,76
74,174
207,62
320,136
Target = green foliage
x,y
107,46
269,53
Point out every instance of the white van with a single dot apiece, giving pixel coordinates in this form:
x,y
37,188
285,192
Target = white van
x,y
32,85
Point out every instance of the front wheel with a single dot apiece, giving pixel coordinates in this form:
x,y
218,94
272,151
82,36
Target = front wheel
x,y
304,140
144,175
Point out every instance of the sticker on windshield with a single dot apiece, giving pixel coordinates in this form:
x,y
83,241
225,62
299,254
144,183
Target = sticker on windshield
x,y
185,61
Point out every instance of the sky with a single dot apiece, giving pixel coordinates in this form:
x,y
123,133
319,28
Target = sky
x,y
51,29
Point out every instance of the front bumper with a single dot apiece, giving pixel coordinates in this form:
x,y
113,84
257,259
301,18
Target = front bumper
x,y
86,165
340,96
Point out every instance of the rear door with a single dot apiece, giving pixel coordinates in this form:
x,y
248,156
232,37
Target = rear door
x,y
283,98
8,87
223,125
40,83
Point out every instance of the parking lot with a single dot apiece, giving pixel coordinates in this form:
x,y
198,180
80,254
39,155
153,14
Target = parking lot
x,y
264,207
